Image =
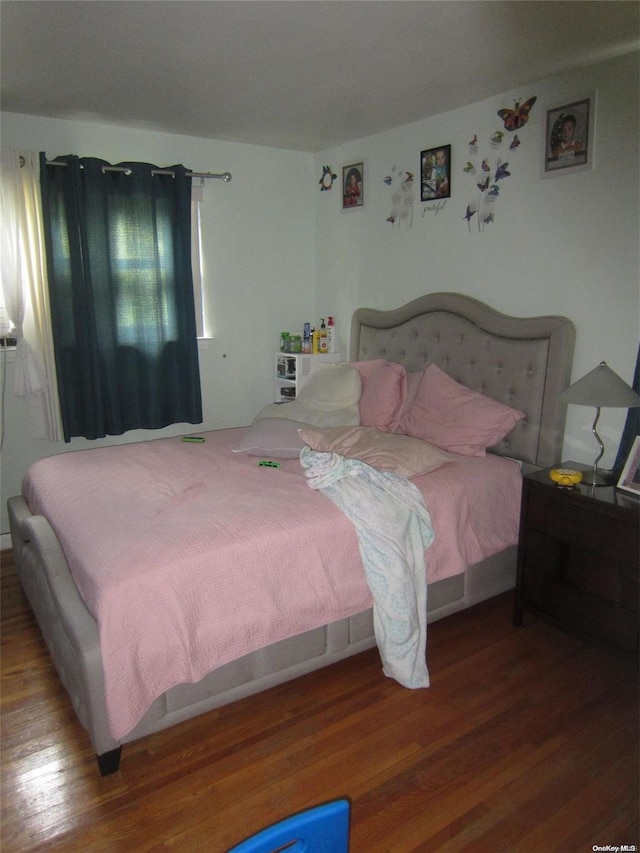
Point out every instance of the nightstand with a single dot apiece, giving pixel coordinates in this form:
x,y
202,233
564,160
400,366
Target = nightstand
x,y
578,559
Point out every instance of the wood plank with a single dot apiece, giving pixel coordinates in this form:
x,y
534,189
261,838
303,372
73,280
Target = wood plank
x,y
527,740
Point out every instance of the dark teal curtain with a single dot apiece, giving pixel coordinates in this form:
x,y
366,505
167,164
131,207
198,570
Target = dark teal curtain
x,y
631,427
121,293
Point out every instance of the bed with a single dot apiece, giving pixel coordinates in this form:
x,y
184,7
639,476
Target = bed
x,y
522,363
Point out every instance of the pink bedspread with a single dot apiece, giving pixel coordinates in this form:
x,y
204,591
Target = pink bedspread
x,y
189,555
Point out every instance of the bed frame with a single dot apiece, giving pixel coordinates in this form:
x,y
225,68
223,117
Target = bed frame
x,y
523,362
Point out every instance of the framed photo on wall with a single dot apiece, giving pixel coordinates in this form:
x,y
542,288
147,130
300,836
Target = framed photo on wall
x,y
569,137
435,173
353,186
630,474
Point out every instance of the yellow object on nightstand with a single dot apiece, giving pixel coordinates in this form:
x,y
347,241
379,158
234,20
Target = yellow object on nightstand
x,y
565,476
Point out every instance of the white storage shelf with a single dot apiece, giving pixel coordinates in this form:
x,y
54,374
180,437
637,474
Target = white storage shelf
x,y
294,369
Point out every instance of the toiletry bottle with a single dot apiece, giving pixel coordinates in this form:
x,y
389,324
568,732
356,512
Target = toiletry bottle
x,y
323,336
331,335
314,341
306,338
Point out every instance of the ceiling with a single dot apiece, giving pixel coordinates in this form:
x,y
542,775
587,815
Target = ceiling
x,y
299,74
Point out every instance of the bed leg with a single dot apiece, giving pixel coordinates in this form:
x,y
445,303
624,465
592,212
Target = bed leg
x,y
109,762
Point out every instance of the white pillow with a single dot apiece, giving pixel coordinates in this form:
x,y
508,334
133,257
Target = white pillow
x,y
330,397
331,387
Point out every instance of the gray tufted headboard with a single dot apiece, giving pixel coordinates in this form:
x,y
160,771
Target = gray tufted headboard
x,y
523,362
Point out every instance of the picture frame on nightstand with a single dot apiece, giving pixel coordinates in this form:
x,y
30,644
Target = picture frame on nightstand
x,y
630,474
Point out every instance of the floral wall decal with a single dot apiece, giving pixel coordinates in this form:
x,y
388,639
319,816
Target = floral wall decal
x,y
401,199
327,179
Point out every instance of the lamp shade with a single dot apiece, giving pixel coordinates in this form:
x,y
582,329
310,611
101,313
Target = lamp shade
x,y
601,387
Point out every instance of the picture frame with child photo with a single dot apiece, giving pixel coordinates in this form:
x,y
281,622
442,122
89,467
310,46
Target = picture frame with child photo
x,y
353,186
568,137
435,173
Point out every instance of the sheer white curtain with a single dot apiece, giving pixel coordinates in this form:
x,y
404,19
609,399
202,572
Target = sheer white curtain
x,y
23,289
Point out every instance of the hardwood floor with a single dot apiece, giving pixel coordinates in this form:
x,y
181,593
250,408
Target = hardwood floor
x,y
527,740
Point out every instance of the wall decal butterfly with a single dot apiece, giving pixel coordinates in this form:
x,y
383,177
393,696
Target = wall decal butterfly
x,y
483,186
514,143
501,172
517,117
485,166
469,168
388,180
470,212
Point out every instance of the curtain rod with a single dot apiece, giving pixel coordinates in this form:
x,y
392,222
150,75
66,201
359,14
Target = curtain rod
x,y
225,176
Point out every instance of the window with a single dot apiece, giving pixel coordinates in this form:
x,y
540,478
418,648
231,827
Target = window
x,y
119,251
196,261
6,326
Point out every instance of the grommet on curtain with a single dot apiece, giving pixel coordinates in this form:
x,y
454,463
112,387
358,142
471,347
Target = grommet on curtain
x,y
106,169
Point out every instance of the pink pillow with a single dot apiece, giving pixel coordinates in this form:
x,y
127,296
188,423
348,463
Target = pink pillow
x,y
384,389
400,454
454,417
413,383
272,437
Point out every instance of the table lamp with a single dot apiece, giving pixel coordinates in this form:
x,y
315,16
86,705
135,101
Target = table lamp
x,y
600,387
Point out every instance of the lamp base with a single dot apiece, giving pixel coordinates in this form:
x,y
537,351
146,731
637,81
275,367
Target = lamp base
x,y
600,479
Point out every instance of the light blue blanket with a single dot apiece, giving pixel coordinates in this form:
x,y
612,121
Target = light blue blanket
x,y
394,528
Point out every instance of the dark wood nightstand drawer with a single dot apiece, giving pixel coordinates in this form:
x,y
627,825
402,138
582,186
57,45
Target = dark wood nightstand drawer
x,y
570,585
591,616
546,557
578,561
612,537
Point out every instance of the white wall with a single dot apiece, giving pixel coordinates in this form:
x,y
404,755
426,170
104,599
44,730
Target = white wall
x,y
562,245
279,252
258,256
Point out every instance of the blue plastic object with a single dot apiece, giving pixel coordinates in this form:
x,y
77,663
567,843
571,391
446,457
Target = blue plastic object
x,y
321,829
